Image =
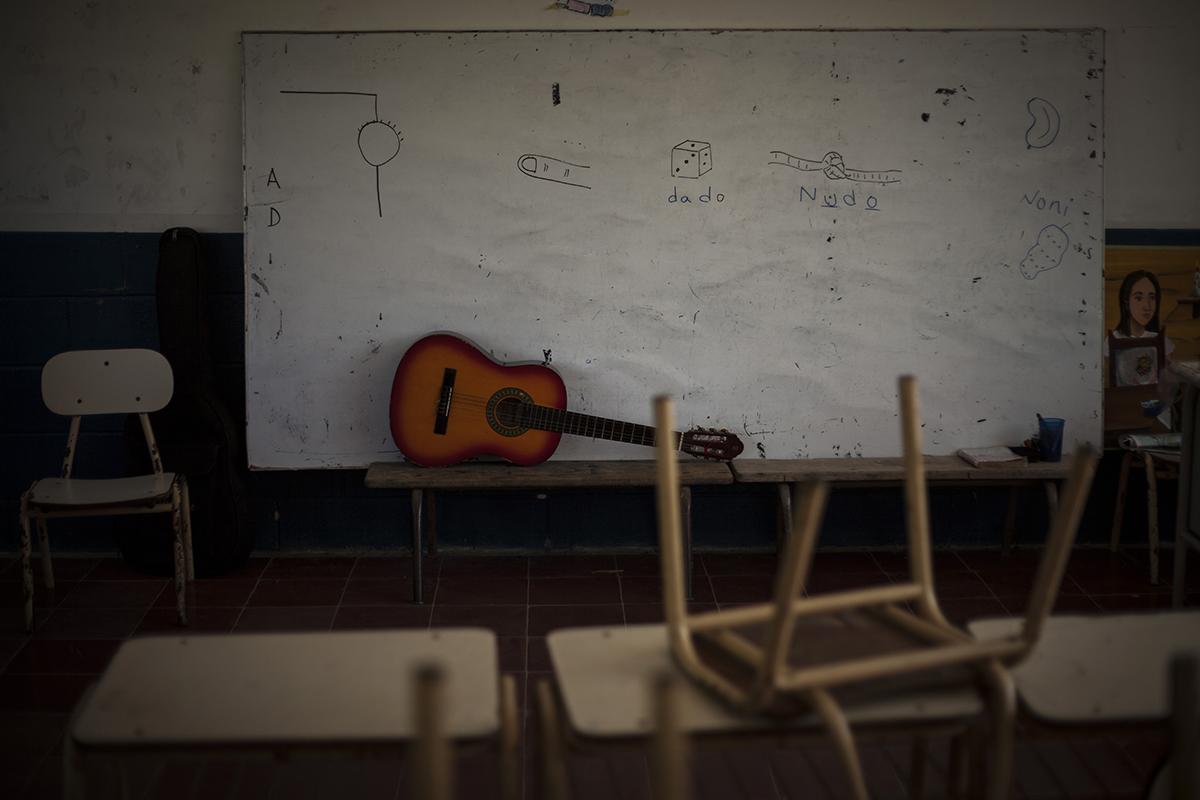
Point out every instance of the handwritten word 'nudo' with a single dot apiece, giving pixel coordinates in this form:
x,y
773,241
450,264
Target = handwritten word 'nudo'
x,y
832,199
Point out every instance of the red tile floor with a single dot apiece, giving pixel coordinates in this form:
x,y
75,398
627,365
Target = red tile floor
x,y
98,603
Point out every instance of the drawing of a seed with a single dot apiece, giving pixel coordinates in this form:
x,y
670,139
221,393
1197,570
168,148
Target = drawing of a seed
x,y
1043,130
1052,243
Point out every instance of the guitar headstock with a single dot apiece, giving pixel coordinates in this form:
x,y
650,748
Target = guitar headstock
x,y
718,445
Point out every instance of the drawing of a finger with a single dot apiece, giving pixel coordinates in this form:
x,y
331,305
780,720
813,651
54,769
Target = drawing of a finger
x,y
1043,129
555,170
1047,253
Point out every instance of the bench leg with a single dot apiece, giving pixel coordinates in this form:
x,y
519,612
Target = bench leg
x,y
685,513
431,529
1010,522
418,500
783,517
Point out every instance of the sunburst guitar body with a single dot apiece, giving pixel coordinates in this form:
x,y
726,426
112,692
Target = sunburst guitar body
x,y
452,402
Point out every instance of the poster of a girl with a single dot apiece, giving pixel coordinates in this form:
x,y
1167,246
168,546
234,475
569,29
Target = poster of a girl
x,y
1139,302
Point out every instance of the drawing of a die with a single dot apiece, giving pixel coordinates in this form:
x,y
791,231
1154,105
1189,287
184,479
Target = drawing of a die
x,y
691,159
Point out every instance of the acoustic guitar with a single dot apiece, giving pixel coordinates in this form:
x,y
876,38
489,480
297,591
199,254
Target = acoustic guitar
x,y
451,401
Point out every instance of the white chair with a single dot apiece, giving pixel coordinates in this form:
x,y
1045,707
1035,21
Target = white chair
x,y
86,383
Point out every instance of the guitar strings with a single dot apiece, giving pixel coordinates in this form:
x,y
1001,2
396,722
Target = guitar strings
x,y
570,420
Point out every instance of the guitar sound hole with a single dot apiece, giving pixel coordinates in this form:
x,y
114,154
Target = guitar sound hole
x,y
509,412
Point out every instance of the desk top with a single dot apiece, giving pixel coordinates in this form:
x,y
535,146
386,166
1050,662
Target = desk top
x,y
847,470
605,676
1104,668
1187,371
550,475
270,689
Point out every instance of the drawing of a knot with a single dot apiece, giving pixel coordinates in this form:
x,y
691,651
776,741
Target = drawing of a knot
x,y
833,166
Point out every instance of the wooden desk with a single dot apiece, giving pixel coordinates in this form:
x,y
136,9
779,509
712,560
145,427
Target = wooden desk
x,y
424,481
273,693
872,472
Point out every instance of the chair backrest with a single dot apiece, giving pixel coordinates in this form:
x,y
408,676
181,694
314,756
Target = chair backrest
x,y
129,381
1117,345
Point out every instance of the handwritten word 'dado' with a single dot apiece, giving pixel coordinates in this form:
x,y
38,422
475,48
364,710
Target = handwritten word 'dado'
x,y
706,196
834,200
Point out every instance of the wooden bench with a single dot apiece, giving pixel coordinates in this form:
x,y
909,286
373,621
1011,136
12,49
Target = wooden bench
x,y
424,482
875,472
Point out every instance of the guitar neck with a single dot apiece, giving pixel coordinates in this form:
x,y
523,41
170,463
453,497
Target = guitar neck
x,y
561,421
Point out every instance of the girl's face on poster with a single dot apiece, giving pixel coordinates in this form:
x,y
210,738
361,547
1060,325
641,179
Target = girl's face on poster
x,y
1143,302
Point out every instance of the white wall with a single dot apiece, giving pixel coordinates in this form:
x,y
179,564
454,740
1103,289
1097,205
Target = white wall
x,y
125,115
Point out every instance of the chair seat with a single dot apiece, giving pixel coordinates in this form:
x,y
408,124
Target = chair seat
x,y
604,675
78,493
829,639
1100,668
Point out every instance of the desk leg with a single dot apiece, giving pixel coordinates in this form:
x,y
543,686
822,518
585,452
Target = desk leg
x,y
1119,508
418,500
1183,496
783,517
685,513
1152,515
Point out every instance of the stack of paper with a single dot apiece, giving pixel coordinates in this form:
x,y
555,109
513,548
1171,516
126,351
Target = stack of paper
x,y
990,456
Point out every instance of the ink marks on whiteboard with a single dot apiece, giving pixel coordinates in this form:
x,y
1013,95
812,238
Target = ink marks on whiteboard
x,y
833,166
378,140
706,196
691,159
1044,123
555,170
1047,253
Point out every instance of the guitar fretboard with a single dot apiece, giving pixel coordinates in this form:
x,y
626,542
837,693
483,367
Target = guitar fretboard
x,y
545,418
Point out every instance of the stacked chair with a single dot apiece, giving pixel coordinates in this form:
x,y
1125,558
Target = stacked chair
x,y
881,656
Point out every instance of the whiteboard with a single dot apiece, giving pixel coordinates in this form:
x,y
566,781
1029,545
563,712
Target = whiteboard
x,y
771,226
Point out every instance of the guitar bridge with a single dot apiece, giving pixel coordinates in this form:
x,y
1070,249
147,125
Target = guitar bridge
x,y
444,399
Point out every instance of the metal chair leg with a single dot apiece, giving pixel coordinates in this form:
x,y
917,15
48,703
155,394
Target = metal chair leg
x,y
1152,514
510,767
187,530
1002,690
44,543
180,560
26,563
843,740
918,756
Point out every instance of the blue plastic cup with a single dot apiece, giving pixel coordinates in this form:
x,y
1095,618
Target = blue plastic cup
x,y
1050,436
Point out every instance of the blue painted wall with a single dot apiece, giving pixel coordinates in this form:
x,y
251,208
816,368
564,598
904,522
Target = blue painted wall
x,y
88,290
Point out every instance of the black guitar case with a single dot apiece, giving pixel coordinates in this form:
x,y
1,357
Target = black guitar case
x,y
197,435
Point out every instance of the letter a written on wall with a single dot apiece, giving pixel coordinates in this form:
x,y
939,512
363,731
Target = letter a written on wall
x,y
272,180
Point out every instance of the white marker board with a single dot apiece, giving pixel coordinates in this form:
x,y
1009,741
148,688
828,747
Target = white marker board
x,y
858,205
